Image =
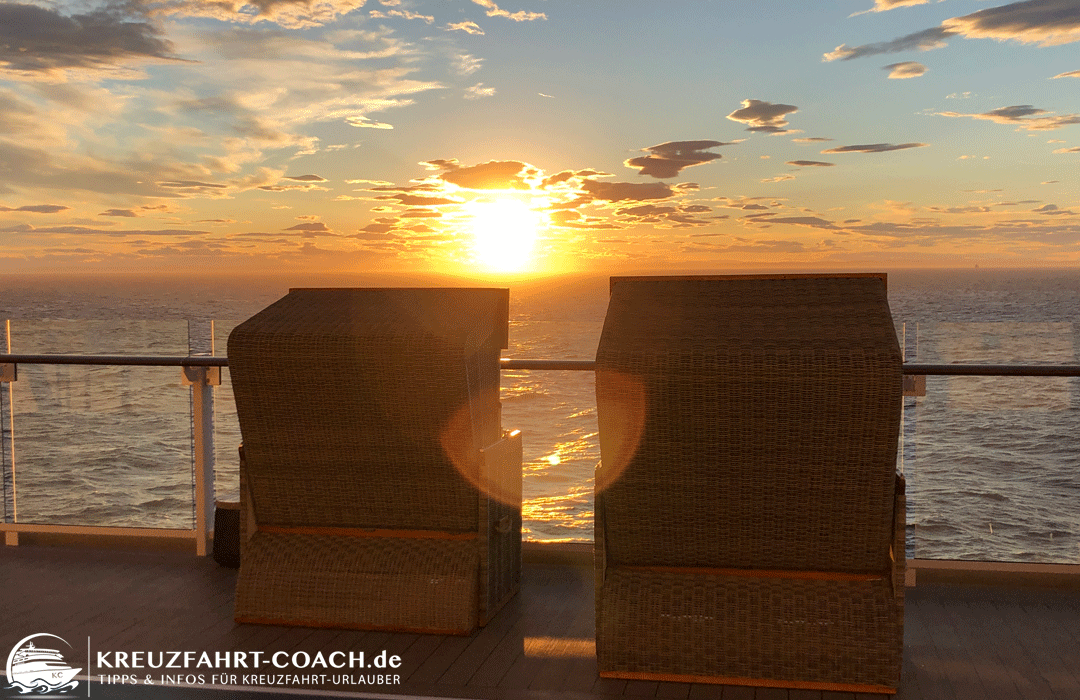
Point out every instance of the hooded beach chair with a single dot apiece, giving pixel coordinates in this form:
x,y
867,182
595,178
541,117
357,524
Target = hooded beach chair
x,y
378,488
749,518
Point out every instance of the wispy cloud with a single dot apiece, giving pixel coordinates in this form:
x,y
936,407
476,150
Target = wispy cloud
x,y
925,40
760,115
294,14
407,14
886,5
37,208
493,10
1043,22
466,64
811,163
874,148
1070,74
477,91
669,159
467,26
905,70
812,221
1024,116
365,122
1075,149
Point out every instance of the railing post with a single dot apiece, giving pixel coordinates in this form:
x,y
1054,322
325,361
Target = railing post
x,y
202,380
9,372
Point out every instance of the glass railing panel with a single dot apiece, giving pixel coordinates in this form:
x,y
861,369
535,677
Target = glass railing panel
x,y
101,445
7,484
992,463
226,427
556,412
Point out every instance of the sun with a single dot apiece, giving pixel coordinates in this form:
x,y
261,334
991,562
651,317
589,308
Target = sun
x,y
504,233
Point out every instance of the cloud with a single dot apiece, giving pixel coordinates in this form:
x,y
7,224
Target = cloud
x,y
1025,116
886,5
37,208
118,212
763,116
87,231
305,178
1045,22
477,91
520,16
627,191
925,40
905,70
421,214
289,188
810,163
191,184
1070,74
811,139
493,175
779,178
294,14
407,14
366,122
874,148
39,40
811,221
646,210
1075,149
414,200
1053,210
311,229
671,158
467,27
466,64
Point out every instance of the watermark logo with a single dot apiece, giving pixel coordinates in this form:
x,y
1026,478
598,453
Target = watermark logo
x,y
34,667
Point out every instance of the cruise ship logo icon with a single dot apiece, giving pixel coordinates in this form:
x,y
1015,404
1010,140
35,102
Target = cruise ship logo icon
x,y
37,669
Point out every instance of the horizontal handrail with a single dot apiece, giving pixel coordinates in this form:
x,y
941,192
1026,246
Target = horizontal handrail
x,y
510,363
993,370
135,360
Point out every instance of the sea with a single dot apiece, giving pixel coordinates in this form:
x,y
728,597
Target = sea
x,y
992,464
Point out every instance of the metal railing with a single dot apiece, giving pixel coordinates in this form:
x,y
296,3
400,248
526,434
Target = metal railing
x,y
510,363
202,372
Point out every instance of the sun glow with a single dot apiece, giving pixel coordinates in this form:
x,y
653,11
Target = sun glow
x,y
504,233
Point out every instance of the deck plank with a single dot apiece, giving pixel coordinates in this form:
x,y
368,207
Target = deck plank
x,y
960,641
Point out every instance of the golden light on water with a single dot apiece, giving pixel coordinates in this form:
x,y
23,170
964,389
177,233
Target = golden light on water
x,y
553,460
504,233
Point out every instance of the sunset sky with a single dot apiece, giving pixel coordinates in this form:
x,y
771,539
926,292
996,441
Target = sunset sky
x,y
540,136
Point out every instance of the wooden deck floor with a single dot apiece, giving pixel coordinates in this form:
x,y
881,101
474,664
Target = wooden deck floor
x,y
961,642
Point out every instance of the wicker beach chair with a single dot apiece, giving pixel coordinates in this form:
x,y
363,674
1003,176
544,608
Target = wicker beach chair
x,y
749,518
378,489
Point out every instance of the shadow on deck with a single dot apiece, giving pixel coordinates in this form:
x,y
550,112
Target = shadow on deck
x,y
962,641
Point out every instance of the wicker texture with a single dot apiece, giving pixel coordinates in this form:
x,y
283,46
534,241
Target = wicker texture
x,y
787,629
749,424
367,409
357,582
